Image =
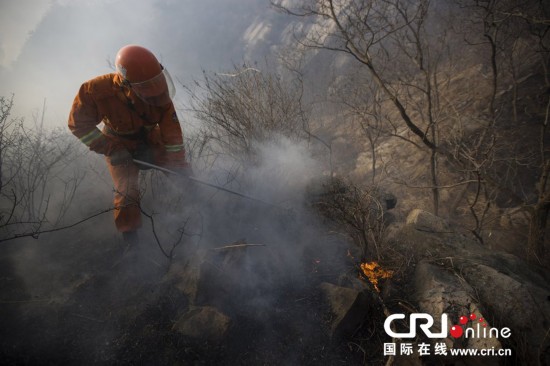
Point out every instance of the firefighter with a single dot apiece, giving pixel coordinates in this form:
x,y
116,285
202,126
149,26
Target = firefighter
x,y
139,122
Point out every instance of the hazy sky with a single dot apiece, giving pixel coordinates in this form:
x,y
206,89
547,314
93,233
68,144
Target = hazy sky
x,y
49,47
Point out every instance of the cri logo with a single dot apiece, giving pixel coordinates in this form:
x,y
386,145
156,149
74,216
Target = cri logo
x,y
457,331
479,330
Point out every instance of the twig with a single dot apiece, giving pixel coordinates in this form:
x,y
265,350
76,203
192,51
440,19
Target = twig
x,y
543,340
88,318
236,246
24,301
38,232
157,240
406,306
434,231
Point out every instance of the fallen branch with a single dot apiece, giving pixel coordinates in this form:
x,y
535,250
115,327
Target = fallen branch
x,y
236,246
26,301
88,318
35,233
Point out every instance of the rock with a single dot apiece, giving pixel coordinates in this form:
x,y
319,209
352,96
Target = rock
x,y
204,323
438,291
423,220
389,200
186,278
457,274
422,240
353,282
235,278
517,302
513,219
329,189
348,306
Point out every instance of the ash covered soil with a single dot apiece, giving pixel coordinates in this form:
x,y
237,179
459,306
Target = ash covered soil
x,y
75,298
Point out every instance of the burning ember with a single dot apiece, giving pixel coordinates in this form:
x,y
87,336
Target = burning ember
x,y
374,273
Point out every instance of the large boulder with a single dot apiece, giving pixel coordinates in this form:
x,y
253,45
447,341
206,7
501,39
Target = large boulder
x,y
423,220
457,275
438,290
203,323
348,307
227,276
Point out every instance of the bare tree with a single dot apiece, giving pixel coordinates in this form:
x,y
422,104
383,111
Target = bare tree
x,y
364,106
411,57
5,110
378,34
511,145
540,212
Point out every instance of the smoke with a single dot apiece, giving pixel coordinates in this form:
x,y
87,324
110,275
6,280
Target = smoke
x,y
65,37
278,224
285,168
79,272
18,19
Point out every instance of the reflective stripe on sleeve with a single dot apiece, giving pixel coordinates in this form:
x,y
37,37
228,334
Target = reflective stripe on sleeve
x,y
91,136
173,148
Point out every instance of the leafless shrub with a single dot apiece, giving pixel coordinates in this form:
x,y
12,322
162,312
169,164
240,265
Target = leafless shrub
x,y
358,211
168,204
246,106
37,184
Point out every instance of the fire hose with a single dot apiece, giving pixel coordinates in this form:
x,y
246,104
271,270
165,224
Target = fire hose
x,y
193,179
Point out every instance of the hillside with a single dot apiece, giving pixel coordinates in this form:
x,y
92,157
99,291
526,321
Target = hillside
x,y
370,164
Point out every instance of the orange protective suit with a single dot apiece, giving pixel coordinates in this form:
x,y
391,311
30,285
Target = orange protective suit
x,y
129,123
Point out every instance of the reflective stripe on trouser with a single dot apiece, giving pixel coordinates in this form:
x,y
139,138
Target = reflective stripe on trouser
x,y
126,200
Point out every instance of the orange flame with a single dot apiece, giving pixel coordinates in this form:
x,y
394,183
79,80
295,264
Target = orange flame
x,y
374,273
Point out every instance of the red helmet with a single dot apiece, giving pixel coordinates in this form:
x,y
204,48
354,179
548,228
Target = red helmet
x,y
143,73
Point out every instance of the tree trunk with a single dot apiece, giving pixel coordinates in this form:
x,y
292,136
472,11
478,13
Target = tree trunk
x,y
537,230
435,182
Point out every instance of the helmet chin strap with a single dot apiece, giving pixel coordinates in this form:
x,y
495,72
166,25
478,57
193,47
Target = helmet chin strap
x,y
126,83
123,81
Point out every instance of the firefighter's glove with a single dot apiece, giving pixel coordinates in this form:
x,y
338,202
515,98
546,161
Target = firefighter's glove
x,y
120,157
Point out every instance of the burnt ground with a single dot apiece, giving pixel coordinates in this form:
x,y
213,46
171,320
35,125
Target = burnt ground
x,y
69,300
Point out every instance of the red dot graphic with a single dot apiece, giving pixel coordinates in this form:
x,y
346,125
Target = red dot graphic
x,y
481,320
456,331
463,320
484,324
473,316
